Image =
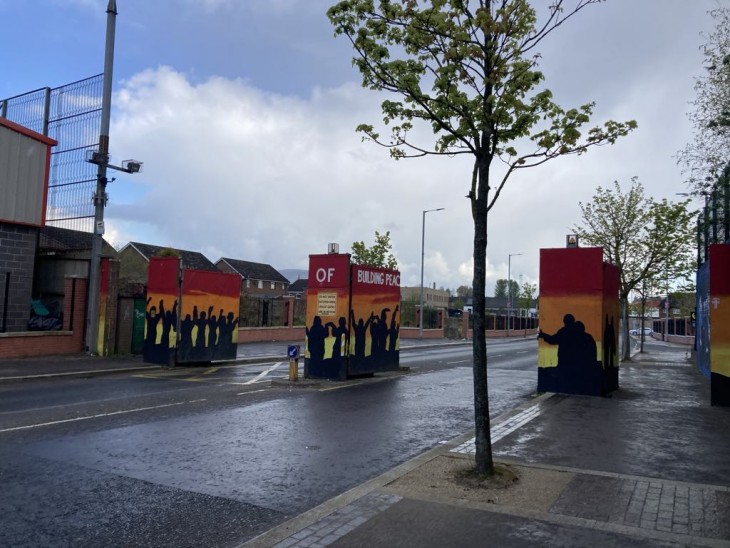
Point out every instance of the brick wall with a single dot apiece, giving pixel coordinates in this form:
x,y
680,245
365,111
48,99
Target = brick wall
x,y
17,256
49,343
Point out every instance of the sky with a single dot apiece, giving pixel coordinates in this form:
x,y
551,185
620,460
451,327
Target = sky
x,y
244,114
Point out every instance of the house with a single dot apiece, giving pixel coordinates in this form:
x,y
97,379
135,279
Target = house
x,y
432,297
134,261
298,289
257,279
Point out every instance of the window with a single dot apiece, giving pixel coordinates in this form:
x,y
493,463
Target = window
x,y
248,282
261,284
273,285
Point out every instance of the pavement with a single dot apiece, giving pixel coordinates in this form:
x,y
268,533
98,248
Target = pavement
x,y
647,466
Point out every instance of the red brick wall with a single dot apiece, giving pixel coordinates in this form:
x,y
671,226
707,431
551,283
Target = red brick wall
x,y
267,334
49,343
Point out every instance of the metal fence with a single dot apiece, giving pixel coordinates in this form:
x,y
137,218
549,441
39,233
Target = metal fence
x,y
70,114
713,223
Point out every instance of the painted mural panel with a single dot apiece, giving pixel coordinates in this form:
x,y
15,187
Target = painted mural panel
x,y
327,330
161,310
375,320
702,331
208,316
719,306
573,330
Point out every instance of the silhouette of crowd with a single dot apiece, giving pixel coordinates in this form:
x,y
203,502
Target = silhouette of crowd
x,y
380,331
213,339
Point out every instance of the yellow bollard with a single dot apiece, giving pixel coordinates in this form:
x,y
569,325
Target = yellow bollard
x,y
293,369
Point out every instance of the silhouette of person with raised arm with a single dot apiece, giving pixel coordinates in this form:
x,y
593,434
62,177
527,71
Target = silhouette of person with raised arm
x,y
338,332
226,325
383,331
566,339
374,336
315,340
169,323
153,318
393,331
360,330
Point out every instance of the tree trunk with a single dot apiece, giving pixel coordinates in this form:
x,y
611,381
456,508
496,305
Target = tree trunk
x,y
484,461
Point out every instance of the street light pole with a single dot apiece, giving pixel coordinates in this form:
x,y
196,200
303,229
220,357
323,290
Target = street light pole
x,y
509,287
92,320
423,247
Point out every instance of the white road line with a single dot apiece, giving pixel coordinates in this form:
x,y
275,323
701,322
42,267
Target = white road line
x,y
460,361
251,392
100,415
264,373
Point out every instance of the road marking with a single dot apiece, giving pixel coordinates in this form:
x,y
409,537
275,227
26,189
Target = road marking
x,y
460,361
250,392
76,419
263,373
344,385
499,431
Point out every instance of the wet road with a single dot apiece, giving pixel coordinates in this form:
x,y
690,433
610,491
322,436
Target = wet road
x,y
216,456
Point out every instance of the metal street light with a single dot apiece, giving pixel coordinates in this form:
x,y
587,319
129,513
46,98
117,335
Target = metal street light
x,y
423,244
100,157
509,287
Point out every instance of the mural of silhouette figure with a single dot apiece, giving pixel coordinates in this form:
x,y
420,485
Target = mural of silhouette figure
x,y
153,318
212,324
315,340
360,330
578,370
338,332
393,331
225,347
374,336
186,336
169,323
382,333
565,339
586,352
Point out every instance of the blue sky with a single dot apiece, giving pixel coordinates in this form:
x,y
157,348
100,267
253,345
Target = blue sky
x,y
244,111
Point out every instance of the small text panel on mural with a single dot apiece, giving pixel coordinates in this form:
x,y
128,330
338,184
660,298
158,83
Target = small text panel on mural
x,y
327,304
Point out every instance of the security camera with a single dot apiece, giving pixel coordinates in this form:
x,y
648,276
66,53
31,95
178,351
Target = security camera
x,y
132,166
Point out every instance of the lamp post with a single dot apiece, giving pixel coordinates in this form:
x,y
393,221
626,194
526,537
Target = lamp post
x,y
423,246
509,287
101,158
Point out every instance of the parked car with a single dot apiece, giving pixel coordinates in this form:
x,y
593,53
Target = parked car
x,y
637,332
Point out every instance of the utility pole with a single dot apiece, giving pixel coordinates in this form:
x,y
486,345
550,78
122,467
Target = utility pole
x,y
100,197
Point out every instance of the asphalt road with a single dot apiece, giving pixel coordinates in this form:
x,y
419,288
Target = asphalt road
x,y
215,456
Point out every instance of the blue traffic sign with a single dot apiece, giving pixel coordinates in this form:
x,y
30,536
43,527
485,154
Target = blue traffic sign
x,y
293,351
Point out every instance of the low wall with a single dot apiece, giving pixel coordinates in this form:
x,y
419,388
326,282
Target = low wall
x,y
501,333
270,334
677,339
413,333
26,344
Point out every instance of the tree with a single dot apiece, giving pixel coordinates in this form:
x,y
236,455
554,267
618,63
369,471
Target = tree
x,y
468,70
464,292
379,255
527,294
651,243
704,158
501,288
